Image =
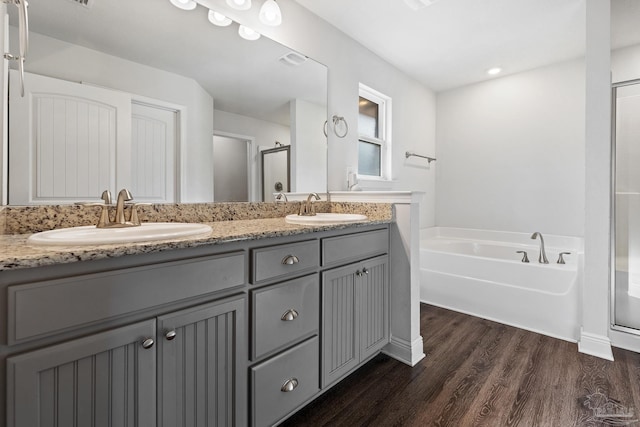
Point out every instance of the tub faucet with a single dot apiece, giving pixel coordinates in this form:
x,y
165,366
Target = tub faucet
x,y
542,258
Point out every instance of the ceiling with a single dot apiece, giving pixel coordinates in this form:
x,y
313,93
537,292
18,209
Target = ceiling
x,y
452,43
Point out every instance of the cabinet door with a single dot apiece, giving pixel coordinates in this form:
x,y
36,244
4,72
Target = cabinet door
x,y
202,366
340,351
373,294
107,379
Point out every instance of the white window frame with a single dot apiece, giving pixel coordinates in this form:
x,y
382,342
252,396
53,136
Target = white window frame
x,y
384,132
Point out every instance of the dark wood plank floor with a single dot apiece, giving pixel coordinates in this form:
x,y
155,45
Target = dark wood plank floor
x,y
481,373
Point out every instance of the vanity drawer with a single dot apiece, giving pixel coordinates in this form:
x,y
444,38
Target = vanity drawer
x,y
354,247
279,262
41,308
284,313
298,366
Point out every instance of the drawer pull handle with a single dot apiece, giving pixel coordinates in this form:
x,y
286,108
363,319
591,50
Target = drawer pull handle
x,y
148,343
290,260
289,385
170,335
289,315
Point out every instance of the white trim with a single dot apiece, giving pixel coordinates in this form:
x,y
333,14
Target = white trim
x,y
384,131
409,353
625,340
595,345
396,197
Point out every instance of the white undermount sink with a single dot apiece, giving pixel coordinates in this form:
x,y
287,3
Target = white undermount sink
x,y
90,235
324,218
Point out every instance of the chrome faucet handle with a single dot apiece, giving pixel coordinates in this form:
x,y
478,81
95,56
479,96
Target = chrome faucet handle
x,y
561,257
106,196
525,257
104,220
133,216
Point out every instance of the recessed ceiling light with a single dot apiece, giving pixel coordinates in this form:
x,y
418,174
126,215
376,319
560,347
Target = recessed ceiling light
x,y
419,4
494,71
270,13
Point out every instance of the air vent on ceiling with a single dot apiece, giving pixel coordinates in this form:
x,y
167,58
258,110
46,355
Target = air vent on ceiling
x,y
86,3
293,58
419,4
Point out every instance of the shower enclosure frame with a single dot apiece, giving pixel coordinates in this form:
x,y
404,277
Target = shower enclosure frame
x,y
612,260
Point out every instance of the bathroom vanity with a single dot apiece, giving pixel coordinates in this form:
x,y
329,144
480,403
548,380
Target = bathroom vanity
x,y
237,332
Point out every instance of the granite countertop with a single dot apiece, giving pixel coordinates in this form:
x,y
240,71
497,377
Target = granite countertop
x,y
15,253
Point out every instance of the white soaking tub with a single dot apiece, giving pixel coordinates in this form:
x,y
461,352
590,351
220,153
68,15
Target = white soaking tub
x,y
479,272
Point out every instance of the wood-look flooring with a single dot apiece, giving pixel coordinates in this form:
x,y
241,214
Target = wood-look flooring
x,y
481,373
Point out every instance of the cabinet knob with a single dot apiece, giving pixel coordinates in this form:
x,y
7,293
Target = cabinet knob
x,y
148,343
289,385
290,260
289,315
170,335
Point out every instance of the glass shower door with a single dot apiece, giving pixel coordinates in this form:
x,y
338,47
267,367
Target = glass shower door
x,y
626,250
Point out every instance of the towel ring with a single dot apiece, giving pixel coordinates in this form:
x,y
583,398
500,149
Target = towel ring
x,y
336,120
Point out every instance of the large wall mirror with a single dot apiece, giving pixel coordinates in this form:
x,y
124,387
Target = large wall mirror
x,y
130,94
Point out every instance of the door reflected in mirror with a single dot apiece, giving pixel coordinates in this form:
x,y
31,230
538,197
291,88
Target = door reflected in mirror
x,y
276,172
66,147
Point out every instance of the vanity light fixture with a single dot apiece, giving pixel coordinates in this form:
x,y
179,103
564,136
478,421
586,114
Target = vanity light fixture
x,y
248,33
270,13
493,71
239,4
216,18
419,4
184,4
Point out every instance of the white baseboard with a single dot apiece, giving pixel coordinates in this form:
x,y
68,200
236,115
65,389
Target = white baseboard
x,y
409,353
595,345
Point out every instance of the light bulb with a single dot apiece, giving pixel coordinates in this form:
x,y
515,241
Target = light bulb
x,y
248,33
270,13
216,18
184,4
494,71
239,4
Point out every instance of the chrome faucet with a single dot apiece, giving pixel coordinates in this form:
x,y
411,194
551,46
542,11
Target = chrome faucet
x,y
123,196
281,196
119,220
542,257
306,208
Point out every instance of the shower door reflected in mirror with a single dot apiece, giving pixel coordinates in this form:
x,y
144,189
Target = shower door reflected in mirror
x,y
626,259
276,172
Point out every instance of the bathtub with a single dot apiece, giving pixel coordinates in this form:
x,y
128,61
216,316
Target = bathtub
x,y
478,272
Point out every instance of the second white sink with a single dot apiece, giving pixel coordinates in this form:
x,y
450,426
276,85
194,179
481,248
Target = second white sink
x,y
324,218
90,235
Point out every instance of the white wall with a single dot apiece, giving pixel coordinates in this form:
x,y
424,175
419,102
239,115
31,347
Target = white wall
x,y
625,64
350,64
511,152
308,147
55,58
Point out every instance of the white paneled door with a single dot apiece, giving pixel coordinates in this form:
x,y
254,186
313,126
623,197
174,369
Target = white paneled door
x,y
70,141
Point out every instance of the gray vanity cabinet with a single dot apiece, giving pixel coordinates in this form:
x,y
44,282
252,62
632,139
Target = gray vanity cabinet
x,y
355,316
199,381
106,379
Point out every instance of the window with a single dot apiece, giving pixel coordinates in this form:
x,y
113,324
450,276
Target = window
x,y
374,134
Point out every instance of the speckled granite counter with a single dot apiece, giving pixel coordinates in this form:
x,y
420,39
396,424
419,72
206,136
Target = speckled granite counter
x,y
16,254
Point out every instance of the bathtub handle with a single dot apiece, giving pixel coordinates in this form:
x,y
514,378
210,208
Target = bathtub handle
x,y
525,257
561,257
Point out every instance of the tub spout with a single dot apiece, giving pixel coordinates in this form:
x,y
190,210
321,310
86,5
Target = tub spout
x,y
542,257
